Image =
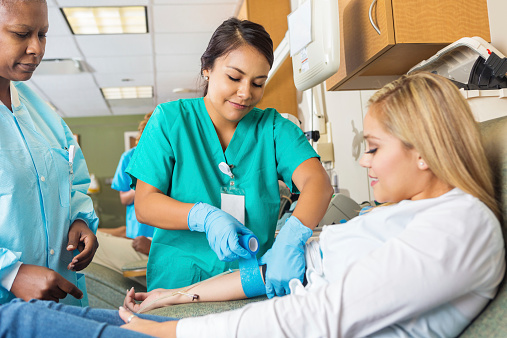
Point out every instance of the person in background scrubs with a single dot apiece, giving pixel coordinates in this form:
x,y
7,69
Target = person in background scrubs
x,y
121,183
179,175
47,222
130,243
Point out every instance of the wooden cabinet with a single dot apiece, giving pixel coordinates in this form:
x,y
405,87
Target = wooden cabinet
x,y
280,92
410,31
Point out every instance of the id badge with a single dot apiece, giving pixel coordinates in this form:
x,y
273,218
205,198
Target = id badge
x,y
233,202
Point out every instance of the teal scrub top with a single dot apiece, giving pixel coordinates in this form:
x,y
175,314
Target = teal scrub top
x,y
179,153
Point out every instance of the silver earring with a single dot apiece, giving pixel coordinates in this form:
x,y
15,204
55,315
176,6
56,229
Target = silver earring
x,y
206,78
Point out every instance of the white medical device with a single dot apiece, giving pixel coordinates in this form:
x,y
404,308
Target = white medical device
x,y
471,63
340,209
314,35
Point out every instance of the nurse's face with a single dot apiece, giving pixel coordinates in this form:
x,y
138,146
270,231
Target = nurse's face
x,y
236,84
23,28
393,169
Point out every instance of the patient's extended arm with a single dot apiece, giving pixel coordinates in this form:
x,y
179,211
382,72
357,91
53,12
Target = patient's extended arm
x,y
219,288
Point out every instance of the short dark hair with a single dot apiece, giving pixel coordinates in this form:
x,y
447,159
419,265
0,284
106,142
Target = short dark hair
x,y
232,34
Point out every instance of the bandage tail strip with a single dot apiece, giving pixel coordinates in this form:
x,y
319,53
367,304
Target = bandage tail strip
x,y
251,279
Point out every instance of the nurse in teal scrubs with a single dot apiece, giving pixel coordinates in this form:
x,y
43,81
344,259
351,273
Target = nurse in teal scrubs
x,y
175,170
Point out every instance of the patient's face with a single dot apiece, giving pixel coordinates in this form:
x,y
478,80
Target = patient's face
x,y
392,168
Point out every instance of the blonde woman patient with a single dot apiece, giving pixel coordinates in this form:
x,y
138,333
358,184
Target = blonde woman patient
x,y
425,263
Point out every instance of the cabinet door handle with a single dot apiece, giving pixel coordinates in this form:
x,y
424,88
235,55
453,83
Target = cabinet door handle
x,y
371,19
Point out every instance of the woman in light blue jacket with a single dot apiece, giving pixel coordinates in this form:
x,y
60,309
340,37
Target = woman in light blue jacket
x,y
47,222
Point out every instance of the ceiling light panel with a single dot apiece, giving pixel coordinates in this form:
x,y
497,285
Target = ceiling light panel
x,y
106,20
117,93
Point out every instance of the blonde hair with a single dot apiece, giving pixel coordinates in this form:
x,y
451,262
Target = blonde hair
x,y
142,125
427,112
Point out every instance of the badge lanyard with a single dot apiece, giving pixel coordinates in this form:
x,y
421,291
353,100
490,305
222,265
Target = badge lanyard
x,y
233,198
72,153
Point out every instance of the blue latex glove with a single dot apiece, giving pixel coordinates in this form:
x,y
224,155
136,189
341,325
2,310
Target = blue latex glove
x,y
221,231
286,259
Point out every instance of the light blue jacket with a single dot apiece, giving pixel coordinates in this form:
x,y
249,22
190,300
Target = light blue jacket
x,y
41,194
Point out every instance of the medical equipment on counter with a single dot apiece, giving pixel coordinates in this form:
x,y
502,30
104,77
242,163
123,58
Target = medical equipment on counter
x,y
471,63
94,187
340,210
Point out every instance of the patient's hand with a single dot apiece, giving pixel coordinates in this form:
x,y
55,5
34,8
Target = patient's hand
x,y
152,328
150,300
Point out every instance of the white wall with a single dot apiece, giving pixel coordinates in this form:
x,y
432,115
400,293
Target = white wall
x,y
345,110
498,24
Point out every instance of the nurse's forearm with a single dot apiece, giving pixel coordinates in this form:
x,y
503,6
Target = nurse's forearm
x,y
159,210
316,191
312,205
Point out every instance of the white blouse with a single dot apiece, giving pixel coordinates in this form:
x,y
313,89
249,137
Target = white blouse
x,y
417,268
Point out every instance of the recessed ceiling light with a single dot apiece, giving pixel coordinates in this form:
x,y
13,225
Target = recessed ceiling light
x,y
106,20
62,66
117,93
184,90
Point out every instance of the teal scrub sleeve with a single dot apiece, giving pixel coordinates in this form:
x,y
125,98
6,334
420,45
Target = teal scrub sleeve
x,y
286,259
291,149
121,180
81,205
153,160
221,231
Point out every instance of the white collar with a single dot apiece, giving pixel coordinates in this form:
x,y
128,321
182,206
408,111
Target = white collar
x,y
14,96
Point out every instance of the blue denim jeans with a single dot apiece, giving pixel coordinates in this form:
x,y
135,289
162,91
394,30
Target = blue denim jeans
x,y
38,318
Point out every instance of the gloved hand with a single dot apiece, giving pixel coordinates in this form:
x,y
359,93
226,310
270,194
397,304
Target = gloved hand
x,y
286,259
221,231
